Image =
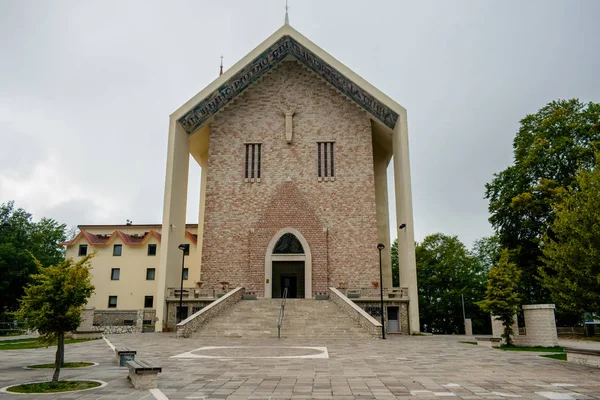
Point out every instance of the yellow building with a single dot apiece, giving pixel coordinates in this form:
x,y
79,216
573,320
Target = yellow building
x,y
126,267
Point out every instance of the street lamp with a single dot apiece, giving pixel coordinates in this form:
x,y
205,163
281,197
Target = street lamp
x,y
380,247
185,248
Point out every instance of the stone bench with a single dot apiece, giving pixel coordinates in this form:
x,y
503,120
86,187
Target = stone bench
x,y
488,341
143,375
124,354
587,357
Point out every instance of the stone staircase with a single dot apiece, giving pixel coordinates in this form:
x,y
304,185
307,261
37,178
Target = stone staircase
x,y
304,318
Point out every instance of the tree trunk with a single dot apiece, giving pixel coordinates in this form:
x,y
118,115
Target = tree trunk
x,y
58,362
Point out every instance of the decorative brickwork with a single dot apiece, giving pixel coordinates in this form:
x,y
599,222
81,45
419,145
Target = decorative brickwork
x,y
337,218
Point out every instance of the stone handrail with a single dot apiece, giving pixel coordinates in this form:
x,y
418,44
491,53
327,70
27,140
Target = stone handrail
x,y
189,325
359,315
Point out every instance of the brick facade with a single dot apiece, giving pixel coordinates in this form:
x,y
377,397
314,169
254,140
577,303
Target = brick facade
x,y
337,218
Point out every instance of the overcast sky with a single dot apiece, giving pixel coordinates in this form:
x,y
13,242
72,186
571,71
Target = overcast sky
x,y
86,88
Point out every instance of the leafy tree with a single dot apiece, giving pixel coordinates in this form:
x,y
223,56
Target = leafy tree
x,y
395,265
487,252
18,242
572,253
52,302
445,271
501,297
549,148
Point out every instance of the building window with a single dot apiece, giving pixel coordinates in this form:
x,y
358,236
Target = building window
x,y
115,274
112,301
325,160
117,249
185,274
148,301
82,250
151,249
252,164
150,274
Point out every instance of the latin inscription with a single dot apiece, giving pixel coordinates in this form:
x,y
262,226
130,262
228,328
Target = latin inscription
x,y
265,62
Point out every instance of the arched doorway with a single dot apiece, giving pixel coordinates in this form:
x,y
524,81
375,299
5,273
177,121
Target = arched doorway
x,y
288,263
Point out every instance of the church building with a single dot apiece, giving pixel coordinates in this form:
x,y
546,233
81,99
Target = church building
x,y
293,147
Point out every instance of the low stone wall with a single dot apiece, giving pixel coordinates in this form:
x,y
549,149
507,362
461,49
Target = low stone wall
x,y
116,329
114,317
591,358
355,312
188,326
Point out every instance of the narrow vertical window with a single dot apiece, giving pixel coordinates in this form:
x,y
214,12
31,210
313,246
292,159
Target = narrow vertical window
x,y
253,148
319,158
331,153
246,170
252,168
258,162
325,156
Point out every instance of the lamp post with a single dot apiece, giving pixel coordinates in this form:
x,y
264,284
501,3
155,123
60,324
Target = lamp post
x,y
184,248
380,247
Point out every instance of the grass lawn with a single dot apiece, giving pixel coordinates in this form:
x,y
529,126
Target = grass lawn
x,y
49,387
67,365
559,356
32,343
537,348
475,343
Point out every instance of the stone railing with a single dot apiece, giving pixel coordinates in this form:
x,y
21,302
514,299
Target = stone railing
x,y
189,325
355,312
372,292
193,293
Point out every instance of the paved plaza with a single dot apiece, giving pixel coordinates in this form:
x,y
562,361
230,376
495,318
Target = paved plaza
x,y
421,367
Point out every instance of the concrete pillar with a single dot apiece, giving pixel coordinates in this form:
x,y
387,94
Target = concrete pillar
x,y
404,215
87,319
381,159
540,325
174,212
468,327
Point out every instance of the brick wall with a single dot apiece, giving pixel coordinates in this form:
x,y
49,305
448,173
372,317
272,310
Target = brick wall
x,y
241,218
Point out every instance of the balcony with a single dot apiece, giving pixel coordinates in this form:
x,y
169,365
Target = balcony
x,y
375,293
193,293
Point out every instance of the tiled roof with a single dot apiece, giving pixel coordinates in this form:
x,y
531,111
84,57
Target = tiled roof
x,y
128,239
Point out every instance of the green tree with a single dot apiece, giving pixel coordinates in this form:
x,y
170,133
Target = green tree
x,y
446,270
487,252
18,241
52,302
572,253
395,264
549,148
502,297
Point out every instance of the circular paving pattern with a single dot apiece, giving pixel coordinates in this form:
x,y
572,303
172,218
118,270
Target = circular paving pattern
x,y
256,352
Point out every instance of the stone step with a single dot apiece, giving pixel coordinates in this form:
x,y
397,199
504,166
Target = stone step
x,y
304,318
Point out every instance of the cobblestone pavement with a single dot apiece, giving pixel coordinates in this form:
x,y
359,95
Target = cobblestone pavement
x,y
422,367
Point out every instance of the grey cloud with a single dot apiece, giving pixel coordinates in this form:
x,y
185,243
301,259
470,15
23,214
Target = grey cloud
x,y
98,80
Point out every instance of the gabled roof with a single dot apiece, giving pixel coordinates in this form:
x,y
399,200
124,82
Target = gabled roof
x,y
128,239
285,42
